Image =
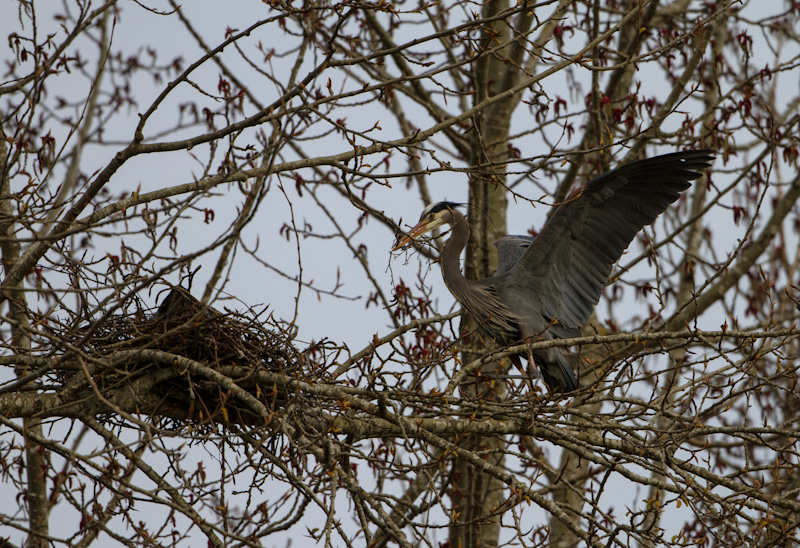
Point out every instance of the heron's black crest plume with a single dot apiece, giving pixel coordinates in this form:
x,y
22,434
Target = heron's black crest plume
x,y
436,207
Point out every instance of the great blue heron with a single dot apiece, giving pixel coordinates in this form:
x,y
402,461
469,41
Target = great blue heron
x,y
546,287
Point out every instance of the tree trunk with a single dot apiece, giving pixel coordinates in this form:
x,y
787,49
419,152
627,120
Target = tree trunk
x,y
476,496
35,455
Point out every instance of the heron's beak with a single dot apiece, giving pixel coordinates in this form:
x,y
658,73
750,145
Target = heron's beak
x,y
418,230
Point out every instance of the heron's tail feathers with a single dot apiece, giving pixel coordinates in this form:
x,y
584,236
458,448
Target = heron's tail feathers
x,y
557,373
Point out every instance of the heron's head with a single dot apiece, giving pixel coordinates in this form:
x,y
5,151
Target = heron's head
x,y
433,216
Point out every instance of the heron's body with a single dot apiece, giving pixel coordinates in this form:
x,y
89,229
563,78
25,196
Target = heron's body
x,y
546,287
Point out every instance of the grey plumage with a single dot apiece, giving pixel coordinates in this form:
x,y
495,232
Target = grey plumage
x,y
546,287
510,250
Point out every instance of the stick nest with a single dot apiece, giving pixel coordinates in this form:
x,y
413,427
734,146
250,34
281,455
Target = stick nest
x,y
237,346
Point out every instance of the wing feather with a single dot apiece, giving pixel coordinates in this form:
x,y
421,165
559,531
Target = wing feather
x,y
562,274
510,250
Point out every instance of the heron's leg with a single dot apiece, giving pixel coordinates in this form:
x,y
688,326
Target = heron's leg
x,y
526,371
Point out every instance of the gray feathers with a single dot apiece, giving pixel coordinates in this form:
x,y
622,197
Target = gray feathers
x,y
546,287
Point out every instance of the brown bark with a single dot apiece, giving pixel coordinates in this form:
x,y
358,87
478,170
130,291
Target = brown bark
x,y
36,459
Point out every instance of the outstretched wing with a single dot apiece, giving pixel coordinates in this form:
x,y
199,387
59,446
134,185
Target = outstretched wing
x,y
562,274
510,250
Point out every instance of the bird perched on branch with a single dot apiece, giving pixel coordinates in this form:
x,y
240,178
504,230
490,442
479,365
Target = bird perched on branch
x,y
546,287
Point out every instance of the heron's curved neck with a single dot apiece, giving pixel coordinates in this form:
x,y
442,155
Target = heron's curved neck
x,y
451,253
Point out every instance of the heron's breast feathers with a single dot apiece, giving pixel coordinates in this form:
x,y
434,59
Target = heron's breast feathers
x,y
493,317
